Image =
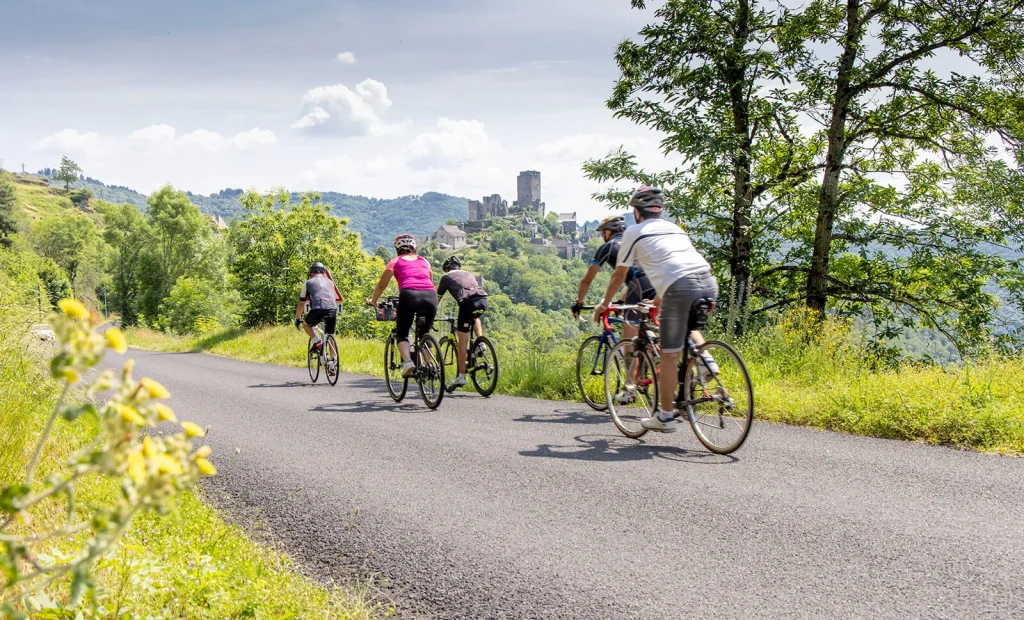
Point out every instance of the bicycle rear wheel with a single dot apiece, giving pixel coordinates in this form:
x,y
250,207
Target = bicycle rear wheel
x,y
397,384
485,367
332,361
630,387
590,366
451,362
430,371
312,361
722,410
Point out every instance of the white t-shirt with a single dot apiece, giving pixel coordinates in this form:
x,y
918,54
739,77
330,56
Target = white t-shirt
x,y
663,250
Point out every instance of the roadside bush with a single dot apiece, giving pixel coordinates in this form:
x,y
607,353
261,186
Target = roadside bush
x,y
196,305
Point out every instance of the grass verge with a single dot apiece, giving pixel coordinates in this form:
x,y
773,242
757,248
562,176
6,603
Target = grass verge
x,y
188,564
802,376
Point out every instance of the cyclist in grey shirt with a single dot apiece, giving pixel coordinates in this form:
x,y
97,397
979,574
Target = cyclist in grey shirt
x,y
318,292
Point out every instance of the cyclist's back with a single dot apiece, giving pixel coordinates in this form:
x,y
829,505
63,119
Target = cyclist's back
x,y
663,250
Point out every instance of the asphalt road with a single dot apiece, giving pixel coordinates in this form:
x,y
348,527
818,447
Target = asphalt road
x,y
520,508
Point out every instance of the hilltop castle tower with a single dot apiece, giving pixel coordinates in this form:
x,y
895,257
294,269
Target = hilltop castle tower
x,y
528,190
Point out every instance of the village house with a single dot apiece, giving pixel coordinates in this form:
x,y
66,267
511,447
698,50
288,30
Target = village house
x,y
567,223
450,236
569,249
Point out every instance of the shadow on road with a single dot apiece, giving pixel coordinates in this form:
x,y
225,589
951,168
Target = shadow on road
x,y
567,416
289,384
367,406
613,448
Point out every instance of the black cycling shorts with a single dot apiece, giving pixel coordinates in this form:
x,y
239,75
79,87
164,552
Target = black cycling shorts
x,y
328,317
470,309
422,303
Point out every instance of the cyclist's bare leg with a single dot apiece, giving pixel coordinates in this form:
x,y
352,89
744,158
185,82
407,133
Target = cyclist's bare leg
x,y
309,330
403,349
478,328
463,338
669,369
697,337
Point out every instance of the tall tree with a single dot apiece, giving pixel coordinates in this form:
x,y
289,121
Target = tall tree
x,y
276,241
705,74
73,241
182,239
126,231
913,199
68,172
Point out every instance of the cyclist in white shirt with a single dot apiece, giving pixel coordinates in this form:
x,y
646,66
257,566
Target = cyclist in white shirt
x,y
680,276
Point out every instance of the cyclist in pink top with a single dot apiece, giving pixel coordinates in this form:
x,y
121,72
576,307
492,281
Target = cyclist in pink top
x,y
416,295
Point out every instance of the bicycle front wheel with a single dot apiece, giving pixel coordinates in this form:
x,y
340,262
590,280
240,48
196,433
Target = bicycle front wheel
x,y
397,384
331,359
721,397
485,367
630,387
312,362
590,367
430,371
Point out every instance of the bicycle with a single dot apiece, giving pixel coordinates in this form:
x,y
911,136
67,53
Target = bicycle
x,y
426,354
481,359
326,356
591,382
729,411
631,386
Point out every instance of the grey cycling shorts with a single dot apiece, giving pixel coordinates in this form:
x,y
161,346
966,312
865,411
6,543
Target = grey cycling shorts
x,y
676,304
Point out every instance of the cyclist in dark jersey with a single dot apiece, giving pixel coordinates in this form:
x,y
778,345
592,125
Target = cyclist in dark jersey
x,y
638,287
472,300
318,292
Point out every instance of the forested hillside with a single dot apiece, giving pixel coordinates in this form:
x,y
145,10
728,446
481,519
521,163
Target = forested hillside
x,y
377,220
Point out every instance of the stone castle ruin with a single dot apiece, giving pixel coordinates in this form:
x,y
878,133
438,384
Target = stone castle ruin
x,y
528,198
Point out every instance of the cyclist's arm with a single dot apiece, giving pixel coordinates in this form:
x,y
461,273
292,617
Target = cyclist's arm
x,y
442,286
588,279
378,290
300,308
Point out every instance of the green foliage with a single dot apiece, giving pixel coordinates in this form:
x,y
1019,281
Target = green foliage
x,y
276,241
192,302
8,201
80,197
127,232
73,242
181,243
67,173
509,242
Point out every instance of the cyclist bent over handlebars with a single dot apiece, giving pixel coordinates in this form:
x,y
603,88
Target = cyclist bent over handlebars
x,y
472,300
416,295
680,276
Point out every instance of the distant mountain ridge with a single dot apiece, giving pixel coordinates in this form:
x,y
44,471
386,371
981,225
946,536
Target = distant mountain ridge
x,y
377,220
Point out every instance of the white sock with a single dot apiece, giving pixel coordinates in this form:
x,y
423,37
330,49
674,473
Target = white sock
x,y
317,341
662,415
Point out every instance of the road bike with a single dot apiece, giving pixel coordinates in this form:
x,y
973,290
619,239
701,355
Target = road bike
x,y
325,356
426,355
592,357
631,369
718,400
481,359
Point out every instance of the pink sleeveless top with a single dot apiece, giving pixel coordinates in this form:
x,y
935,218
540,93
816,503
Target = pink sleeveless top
x,y
411,274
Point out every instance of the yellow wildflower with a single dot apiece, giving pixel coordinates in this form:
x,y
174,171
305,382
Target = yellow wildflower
x,y
148,447
137,467
192,429
206,467
72,308
155,389
116,340
167,465
164,413
203,452
70,374
129,414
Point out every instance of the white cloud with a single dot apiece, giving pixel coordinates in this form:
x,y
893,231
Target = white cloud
x,y
152,139
341,110
347,58
583,146
453,142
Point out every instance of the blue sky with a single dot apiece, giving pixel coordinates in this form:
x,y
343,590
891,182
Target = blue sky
x,y
448,95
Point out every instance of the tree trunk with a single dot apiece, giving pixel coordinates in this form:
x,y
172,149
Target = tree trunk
x,y
742,198
828,197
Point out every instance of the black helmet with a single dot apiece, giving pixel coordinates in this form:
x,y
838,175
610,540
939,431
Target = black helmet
x,y
452,262
648,199
614,223
317,268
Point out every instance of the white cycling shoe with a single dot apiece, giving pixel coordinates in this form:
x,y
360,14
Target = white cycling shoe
x,y
408,368
654,424
459,381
